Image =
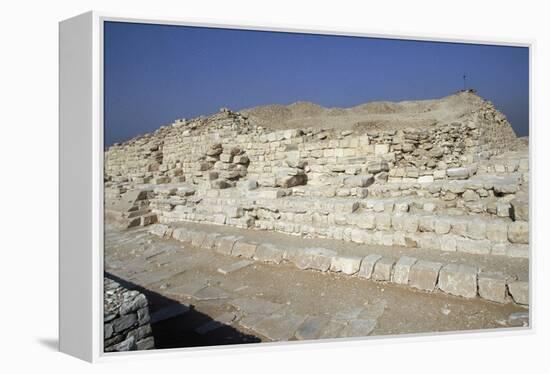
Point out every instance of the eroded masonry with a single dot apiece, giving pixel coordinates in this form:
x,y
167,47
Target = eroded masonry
x,y
400,181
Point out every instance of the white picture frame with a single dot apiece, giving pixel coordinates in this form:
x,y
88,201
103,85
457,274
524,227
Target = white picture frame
x,y
81,184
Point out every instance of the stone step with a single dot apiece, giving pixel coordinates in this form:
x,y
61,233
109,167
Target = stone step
x,y
459,275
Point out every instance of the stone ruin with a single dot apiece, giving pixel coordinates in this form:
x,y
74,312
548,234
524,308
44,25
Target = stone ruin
x,y
456,183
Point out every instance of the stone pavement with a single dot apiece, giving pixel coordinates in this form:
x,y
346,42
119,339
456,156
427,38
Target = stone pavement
x,y
203,297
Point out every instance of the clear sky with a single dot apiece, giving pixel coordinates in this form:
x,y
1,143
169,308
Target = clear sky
x,y
155,73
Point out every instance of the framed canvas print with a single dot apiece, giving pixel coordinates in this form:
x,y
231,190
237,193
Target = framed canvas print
x,y
239,185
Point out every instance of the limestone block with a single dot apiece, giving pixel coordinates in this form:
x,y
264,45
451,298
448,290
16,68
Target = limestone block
x,y
458,280
359,180
519,290
346,264
197,238
492,286
476,229
159,230
358,236
220,184
520,208
366,221
288,181
271,193
383,221
233,211
429,207
244,249
479,247
381,149
402,269
497,231
429,240
427,223
375,167
459,226
225,244
241,159
426,179
503,209
470,195
442,226
424,274
503,188
209,240
383,269
518,232
448,242
226,157
367,265
458,173
411,224
517,250
401,207
439,174
269,253
311,258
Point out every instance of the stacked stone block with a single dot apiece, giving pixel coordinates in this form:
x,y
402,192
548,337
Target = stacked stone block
x,y
126,319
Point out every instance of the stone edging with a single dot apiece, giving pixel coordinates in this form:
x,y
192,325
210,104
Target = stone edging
x,y
455,279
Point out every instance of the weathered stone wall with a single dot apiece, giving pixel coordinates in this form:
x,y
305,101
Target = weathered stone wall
x,y
181,151
126,319
447,186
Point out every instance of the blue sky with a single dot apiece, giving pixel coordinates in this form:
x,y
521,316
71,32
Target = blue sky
x,y
157,73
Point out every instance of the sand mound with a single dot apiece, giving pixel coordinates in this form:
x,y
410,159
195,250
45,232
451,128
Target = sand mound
x,y
371,115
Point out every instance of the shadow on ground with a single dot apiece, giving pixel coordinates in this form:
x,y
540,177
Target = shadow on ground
x,y
178,332
51,343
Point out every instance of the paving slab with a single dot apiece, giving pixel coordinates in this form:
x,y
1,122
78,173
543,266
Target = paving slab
x,y
210,293
279,327
168,312
187,289
255,305
312,327
358,327
222,320
234,266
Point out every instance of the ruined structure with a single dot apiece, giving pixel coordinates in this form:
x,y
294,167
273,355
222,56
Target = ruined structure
x,y
439,175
